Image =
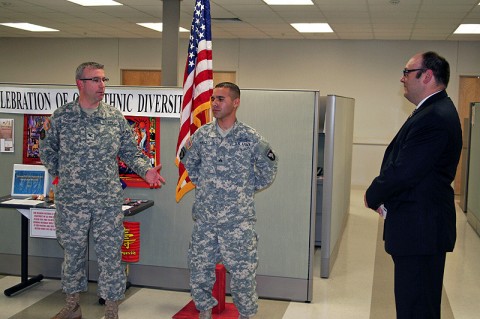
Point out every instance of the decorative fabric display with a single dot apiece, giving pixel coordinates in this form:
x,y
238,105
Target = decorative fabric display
x,y
131,242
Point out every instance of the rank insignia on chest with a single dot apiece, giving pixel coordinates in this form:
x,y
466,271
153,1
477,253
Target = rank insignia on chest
x,y
90,136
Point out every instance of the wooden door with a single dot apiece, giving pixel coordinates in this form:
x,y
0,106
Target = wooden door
x,y
142,77
224,76
154,77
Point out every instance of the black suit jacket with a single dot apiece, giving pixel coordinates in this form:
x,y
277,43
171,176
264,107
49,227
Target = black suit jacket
x,y
415,180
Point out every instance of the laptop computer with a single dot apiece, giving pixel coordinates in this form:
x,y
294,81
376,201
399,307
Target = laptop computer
x,y
29,180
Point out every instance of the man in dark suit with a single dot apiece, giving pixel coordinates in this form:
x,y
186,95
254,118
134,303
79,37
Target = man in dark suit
x,y
414,188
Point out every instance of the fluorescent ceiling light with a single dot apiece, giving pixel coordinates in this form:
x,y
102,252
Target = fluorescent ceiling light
x,y
28,27
468,29
96,3
312,27
158,26
288,2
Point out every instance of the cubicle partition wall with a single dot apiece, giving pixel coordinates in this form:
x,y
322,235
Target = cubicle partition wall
x,y
472,199
338,130
462,201
287,119
286,210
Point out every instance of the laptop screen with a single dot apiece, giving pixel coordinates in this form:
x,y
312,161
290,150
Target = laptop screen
x,y
30,180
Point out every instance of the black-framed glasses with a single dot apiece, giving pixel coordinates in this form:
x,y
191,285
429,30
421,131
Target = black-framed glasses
x,y
406,71
96,79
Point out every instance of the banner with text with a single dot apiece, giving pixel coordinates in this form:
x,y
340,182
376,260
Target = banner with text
x,y
131,100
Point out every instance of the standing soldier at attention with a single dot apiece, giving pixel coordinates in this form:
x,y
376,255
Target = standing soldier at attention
x,y
228,162
81,144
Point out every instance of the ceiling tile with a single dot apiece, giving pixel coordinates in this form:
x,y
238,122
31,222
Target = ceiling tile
x,y
350,19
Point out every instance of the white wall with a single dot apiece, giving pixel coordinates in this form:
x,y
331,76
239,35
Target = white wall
x,y
368,71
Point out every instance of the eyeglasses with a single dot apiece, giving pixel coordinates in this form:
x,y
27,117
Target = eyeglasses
x,y
406,71
96,79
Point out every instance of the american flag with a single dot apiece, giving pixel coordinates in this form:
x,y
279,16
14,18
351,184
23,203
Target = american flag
x,y
197,87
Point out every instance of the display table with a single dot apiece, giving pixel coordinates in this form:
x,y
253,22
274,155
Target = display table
x,y
131,208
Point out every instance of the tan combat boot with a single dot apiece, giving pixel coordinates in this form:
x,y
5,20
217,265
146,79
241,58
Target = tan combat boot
x,y
71,310
111,309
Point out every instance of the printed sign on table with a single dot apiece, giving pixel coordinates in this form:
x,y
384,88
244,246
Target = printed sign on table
x,y
42,223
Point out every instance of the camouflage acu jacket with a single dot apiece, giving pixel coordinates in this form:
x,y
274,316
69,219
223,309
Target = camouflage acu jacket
x,y
227,171
82,151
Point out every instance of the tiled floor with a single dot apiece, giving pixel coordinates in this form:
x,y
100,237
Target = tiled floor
x,y
360,285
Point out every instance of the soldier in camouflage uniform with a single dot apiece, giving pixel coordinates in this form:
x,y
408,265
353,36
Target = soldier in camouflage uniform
x,y
80,146
228,162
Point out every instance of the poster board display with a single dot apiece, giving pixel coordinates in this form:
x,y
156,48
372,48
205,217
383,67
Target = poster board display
x,y
32,130
6,135
146,131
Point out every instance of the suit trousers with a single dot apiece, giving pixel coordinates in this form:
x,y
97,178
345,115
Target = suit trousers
x,y
418,285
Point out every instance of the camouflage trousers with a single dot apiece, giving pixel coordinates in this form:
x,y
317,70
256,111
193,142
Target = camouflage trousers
x,y
236,247
73,224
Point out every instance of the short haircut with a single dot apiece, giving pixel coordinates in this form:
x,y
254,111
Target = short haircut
x,y
234,89
87,65
438,65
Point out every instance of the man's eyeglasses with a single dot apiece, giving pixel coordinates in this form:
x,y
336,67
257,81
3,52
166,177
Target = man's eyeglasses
x,y
406,71
96,79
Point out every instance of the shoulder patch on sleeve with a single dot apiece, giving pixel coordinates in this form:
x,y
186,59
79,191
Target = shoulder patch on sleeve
x,y
46,124
42,134
182,153
188,143
271,155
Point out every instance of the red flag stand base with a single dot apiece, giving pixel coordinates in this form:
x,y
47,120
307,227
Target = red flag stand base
x,y
222,310
191,312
